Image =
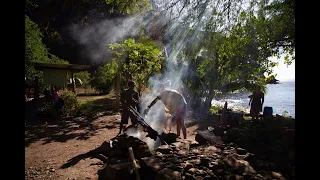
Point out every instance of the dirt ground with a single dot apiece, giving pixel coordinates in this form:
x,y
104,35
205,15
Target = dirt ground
x,y
57,151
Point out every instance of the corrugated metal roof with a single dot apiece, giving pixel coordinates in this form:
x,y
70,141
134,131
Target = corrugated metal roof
x,y
75,67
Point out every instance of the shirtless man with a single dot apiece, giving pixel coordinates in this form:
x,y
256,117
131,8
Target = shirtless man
x,y
176,105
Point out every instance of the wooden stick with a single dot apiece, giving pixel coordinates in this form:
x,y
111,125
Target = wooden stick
x,y
224,110
135,165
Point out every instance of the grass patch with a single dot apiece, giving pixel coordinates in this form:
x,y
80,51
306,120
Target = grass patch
x,y
92,105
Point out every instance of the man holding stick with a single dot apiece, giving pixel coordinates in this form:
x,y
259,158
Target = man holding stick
x,y
129,97
176,105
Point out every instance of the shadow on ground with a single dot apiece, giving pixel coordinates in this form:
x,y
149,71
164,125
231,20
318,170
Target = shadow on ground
x,y
70,128
90,154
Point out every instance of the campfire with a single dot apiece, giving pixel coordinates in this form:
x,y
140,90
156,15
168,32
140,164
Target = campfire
x,y
132,155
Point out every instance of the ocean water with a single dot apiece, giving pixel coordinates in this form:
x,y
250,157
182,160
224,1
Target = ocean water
x,y
281,97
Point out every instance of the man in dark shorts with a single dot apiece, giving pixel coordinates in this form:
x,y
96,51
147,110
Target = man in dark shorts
x,y
129,97
176,105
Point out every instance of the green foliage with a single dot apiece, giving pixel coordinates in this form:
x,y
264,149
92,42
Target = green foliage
x,y
285,113
85,78
139,60
129,7
215,109
270,78
87,108
104,78
36,51
71,104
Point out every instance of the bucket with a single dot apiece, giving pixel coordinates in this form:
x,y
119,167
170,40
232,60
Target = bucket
x,y
267,111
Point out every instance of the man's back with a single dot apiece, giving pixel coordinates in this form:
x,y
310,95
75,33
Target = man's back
x,y
172,99
129,97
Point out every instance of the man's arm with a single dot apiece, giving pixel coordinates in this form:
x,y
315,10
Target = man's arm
x,y
262,99
151,104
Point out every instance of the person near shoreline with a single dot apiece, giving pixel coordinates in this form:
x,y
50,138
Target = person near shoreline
x,y
175,105
129,97
256,102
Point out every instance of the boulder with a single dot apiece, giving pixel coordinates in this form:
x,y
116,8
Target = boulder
x,y
119,171
170,137
152,164
233,134
241,151
168,174
142,151
164,149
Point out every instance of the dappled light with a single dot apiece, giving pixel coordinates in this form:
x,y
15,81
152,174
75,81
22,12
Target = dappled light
x,y
200,67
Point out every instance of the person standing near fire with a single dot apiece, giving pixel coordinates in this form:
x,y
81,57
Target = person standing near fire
x,y
129,97
175,105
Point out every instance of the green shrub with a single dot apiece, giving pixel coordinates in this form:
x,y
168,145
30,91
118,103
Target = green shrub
x,y
215,109
71,105
87,109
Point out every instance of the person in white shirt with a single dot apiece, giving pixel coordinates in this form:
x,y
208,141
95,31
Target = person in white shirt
x,y
176,105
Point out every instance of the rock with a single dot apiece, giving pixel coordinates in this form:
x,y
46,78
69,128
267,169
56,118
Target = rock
x,y
211,149
164,149
243,166
233,177
184,145
208,177
201,172
152,164
201,140
170,137
195,161
189,176
168,174
159,154
142,151
220,172
213,165
222,164
199,178
241,151
219,131
192,171
174,167
227,152
188,166
119,171
195,151
277,176
233,119
104,149
250,158
233,134
209,172
183,152
194,144
205,162
206,137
